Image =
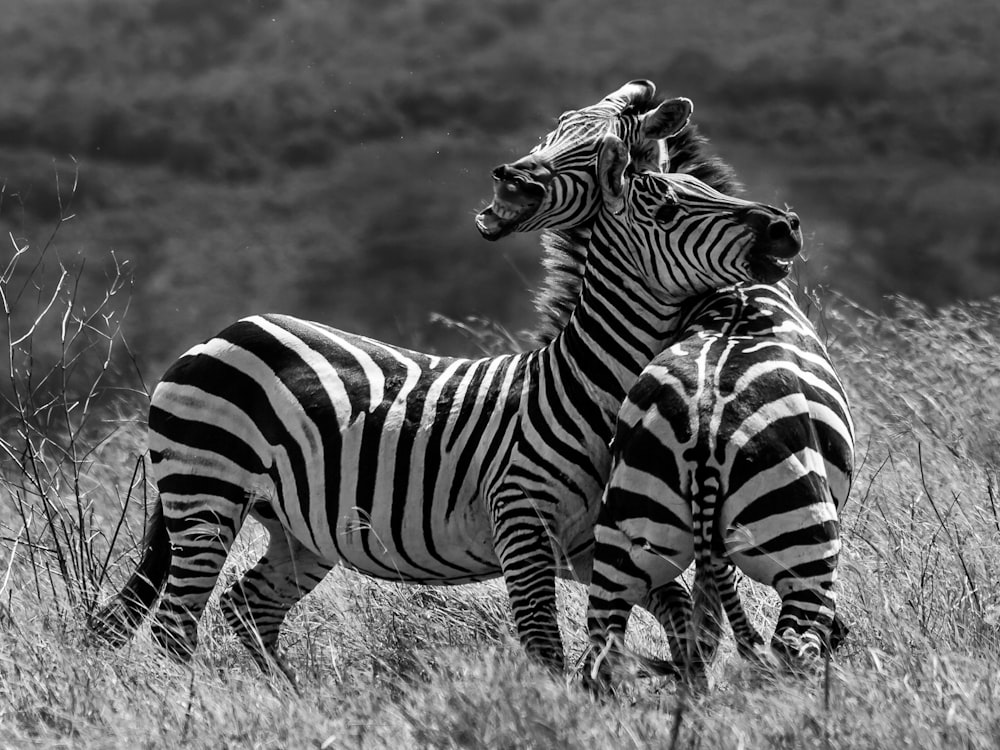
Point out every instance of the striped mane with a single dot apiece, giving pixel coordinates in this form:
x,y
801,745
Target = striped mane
x,y
565,251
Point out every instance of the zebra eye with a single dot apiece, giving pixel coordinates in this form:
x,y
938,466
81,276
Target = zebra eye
x,y
668,210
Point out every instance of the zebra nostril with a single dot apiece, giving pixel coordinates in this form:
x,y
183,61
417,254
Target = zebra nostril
x,y
500,172
779,230
793,221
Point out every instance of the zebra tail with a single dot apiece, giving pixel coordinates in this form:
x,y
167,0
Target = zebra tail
x,y
706,607
649,666
117,620
656,667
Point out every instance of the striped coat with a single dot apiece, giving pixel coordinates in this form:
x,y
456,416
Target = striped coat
x,y
419,468
735,445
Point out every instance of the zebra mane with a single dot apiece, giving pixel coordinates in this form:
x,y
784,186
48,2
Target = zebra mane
x,y
565,251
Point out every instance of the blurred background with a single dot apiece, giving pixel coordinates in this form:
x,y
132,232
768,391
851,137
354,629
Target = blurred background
x,y
327,159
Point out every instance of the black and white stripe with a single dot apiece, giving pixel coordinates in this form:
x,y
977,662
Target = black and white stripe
x,y
555,185
735,445
418,468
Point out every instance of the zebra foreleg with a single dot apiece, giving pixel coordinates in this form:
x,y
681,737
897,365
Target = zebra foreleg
x,y
523,539
530,580
256,605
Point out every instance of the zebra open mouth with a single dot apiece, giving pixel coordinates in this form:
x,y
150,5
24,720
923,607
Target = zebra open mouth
x,y
770,269
517,195
778,244
500,218
496,220
767,269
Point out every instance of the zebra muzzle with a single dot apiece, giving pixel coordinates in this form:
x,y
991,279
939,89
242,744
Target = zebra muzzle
x,y
518,191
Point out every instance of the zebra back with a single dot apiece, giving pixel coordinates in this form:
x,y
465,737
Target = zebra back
x,y
734,444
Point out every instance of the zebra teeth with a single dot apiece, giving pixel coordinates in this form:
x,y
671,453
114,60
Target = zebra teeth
x,y
500,218
490,225
783,263
504,212
767,269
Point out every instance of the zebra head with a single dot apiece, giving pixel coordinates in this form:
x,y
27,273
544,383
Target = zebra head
x,y
555,185
678,237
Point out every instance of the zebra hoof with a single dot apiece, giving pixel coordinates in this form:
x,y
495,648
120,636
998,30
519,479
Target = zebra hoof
x,y
110,625
838,632
596,678
176,645
797,653
759,654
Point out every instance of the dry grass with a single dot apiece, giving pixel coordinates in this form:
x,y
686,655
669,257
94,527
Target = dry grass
x,y
385,665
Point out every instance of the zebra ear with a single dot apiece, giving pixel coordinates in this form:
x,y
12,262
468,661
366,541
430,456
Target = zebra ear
x,y
612,158
668,119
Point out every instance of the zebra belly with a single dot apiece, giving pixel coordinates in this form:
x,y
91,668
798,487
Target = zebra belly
x,y
370,455
391,517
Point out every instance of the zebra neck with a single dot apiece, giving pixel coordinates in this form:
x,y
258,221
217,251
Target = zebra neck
x,y
564,260
616,328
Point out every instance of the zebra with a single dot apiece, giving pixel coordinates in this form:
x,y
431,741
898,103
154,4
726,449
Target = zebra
x,y
685,151
414,467
735,445
257,622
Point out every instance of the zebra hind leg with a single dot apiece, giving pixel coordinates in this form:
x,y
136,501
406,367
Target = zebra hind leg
x,y
116,621
256,605
805,625
749,643
838,632
606,623
615,585
670,605
622,576
199,542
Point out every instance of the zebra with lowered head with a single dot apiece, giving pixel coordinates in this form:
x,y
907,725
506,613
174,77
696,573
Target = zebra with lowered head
x,y
414,467
735,445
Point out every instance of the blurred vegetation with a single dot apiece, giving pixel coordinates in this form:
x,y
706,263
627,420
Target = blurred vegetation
x,y
326,159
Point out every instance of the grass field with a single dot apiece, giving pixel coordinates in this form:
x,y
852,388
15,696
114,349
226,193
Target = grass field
x,y
383,665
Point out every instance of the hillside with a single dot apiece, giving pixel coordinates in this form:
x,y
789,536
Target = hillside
x,y
327,160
